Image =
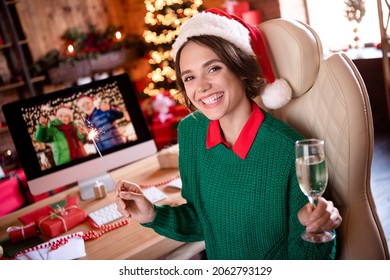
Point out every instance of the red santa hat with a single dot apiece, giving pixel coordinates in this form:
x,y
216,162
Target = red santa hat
x,y
82,99
64,110
248,38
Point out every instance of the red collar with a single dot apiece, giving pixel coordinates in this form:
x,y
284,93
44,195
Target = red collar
x,y
246,137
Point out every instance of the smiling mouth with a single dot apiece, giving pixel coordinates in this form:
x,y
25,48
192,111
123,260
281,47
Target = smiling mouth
x,y
211,99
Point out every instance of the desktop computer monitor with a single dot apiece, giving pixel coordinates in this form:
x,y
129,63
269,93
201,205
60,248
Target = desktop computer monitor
x,y
51,133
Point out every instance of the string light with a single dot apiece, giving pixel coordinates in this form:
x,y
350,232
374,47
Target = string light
x,y
70,49
168,15
118,35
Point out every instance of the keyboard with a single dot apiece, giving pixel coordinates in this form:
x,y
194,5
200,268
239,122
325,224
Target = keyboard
x,y
109,213
105,215
154,194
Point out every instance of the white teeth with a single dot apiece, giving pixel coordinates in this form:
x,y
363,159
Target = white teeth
x,y
212,99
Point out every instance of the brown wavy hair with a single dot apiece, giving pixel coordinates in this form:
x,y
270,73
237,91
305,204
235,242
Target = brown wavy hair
x,y
243,65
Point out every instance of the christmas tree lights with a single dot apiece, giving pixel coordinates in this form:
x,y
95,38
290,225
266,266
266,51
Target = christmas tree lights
x,y
163,20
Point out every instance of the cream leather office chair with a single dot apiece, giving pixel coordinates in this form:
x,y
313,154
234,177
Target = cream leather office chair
x,y
330,102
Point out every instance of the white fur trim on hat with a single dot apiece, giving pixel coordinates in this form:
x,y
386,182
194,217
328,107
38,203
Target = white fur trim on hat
x,y
64,111
277,94
82,99
206,23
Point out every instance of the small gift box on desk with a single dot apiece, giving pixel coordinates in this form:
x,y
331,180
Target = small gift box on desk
x,y
61,220
53,220
20,233
169,157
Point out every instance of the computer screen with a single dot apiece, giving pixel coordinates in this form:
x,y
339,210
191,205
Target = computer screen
x,y
79,134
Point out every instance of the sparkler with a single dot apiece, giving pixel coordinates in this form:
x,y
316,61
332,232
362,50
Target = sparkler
x,y
93,135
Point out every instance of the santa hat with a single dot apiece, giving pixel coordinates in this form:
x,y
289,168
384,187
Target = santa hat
x,y
64,110
82,99
248,38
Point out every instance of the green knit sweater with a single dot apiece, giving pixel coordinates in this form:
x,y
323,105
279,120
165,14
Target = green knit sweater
x,y
243,209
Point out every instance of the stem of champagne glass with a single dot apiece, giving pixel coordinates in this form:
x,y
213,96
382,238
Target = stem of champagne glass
x,y
313,200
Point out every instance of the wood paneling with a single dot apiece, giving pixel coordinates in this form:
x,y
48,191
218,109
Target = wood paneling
x,y
45,21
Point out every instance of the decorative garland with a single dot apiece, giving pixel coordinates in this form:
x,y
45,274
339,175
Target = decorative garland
x,y
161,183
54,245
91,234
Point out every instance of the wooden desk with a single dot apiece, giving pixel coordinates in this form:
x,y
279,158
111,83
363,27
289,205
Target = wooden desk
x,y
131,241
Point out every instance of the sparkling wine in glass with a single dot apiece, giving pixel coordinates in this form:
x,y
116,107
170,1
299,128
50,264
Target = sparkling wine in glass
x,y
312,174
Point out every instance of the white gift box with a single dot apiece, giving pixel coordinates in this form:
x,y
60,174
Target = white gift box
x,y
169,157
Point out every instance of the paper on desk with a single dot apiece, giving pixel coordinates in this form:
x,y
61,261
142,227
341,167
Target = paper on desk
x,y
176,183
154,194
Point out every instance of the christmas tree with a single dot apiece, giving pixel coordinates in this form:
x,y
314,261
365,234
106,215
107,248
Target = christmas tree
x,y
163,20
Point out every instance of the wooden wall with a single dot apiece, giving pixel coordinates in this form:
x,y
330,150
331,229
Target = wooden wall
x,y
44,21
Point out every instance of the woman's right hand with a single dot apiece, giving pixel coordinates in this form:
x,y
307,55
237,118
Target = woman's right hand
x,y
132,203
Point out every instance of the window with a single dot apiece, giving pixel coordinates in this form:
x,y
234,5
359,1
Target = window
x,y
336,32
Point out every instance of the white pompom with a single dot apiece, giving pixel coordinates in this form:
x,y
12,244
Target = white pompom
x,y
277,94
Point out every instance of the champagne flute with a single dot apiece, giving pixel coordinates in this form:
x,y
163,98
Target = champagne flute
x,y
312,174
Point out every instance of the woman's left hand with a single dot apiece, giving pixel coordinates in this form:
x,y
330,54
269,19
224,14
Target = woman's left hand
x,y
323,216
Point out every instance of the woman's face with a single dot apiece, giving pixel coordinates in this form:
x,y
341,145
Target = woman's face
x,y
209,84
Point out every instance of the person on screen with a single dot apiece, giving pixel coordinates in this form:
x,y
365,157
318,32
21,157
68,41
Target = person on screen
x,y
66,141
103,119
236,161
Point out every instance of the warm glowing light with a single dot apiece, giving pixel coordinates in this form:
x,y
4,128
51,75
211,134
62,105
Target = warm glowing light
x,y
70,48
118,35
93,134
165,27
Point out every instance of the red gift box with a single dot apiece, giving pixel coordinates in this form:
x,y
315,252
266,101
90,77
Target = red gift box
x,y
162,134
21,233
52,220
61,220
11,195
240,7
36,215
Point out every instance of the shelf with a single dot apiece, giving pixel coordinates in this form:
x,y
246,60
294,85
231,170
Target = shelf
x,y
21,83
3,129
16,51
9,45
69,73
364,53
5,46
12,2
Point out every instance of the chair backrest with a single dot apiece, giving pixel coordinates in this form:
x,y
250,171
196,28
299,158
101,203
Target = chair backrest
x,y
330,102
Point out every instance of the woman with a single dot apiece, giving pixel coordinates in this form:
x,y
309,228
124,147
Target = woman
x,y
237,162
